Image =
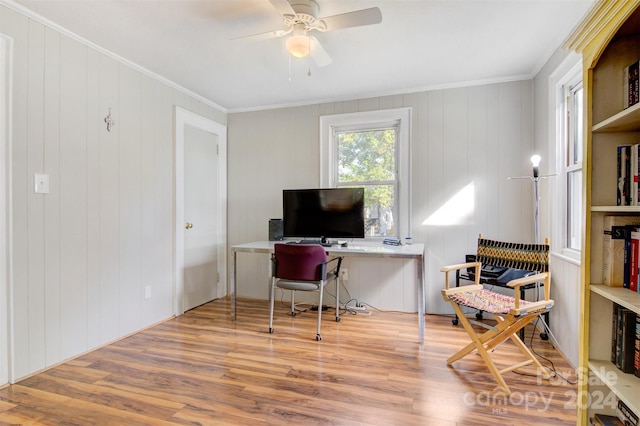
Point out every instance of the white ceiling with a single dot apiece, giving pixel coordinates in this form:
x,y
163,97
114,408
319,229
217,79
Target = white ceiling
x,y
420,45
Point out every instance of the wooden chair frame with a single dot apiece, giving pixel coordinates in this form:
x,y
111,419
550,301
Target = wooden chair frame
x,y
510,313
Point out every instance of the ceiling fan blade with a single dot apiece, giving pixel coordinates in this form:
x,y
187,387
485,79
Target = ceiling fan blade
x,y
353,19
264,36
318,54
283,7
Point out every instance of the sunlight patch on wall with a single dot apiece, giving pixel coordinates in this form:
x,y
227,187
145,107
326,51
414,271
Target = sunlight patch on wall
x,y
458,210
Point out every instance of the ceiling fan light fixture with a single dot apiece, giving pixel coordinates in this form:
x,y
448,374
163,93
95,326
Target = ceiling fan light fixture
x,y
298,45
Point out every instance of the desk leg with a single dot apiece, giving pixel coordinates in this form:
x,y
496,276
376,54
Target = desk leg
x,y
232,286
269,282
421,307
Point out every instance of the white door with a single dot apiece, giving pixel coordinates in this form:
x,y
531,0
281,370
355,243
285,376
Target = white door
x,y
200,269
200,232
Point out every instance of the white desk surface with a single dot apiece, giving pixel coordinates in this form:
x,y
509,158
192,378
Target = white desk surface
x,y
356,248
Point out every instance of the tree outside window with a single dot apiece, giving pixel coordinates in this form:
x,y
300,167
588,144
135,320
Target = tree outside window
x,y
368,158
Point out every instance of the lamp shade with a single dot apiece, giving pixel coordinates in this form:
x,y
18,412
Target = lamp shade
x,y
298,45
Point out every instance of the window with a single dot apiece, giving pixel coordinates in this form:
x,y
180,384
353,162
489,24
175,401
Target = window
x,y
570,142
367,158
371,150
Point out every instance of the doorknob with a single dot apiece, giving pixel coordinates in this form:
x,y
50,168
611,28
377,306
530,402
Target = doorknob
x,y
188,225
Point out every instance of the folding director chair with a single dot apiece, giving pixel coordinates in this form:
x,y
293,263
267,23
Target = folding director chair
x,y
510,313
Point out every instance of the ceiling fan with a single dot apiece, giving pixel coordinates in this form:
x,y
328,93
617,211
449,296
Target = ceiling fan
x,y
301,17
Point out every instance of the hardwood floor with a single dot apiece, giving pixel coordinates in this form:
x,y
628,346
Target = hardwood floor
x,y
202,368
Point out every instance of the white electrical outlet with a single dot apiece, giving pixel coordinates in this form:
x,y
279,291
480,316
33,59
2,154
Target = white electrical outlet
x,y
345,274
147,292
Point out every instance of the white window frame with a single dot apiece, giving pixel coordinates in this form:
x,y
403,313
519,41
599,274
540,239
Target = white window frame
x,y
570,79
364,121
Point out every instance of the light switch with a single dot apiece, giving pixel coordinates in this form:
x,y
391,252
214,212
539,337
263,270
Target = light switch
x,y
41,183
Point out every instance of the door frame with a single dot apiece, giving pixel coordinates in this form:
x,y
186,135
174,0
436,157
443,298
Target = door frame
x,y
183,118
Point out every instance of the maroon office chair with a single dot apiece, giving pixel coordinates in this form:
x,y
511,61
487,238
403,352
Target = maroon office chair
x,y
303,267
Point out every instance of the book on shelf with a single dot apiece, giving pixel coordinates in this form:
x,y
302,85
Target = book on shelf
x,y
606,420
625,415
631,84
636,351
614,240
623,170
628,175
614,333
619,337
634,165
624,336
631,263
628,341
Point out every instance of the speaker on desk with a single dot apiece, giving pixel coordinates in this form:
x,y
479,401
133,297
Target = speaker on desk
x,y
276,230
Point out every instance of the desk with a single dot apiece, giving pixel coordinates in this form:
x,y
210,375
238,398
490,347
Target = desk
x,y
414,251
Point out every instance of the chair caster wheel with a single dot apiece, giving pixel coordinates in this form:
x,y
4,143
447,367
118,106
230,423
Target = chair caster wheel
x,y
544,336
271,330
338,319
454,321
293,314
479,316
318,337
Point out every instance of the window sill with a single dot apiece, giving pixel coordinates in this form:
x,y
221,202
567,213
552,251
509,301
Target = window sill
x,y
569,256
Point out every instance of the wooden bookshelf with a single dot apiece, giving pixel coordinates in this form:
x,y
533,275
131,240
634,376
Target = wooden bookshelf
x,y
624,386
625,121
621,296
609,40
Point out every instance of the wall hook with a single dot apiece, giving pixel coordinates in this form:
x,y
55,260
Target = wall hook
x,y
109,121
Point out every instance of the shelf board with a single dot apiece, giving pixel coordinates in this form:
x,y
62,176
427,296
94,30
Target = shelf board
x,y
624,386
616,209
620,295
627,120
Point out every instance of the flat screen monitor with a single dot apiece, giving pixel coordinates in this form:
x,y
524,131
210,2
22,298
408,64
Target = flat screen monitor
x,y
323,213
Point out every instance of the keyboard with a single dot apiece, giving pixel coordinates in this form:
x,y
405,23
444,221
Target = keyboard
x,y
311,242
325,244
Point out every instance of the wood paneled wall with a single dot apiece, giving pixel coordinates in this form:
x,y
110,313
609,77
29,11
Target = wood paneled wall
x,y
83,253
479,134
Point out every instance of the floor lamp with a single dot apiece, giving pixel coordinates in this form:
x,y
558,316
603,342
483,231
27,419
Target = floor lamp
x,y
535,178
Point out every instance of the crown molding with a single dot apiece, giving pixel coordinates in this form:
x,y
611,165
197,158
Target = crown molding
x,y
598,27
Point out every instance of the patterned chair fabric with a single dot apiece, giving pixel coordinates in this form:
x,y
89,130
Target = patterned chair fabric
x,y
487,301
530,257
